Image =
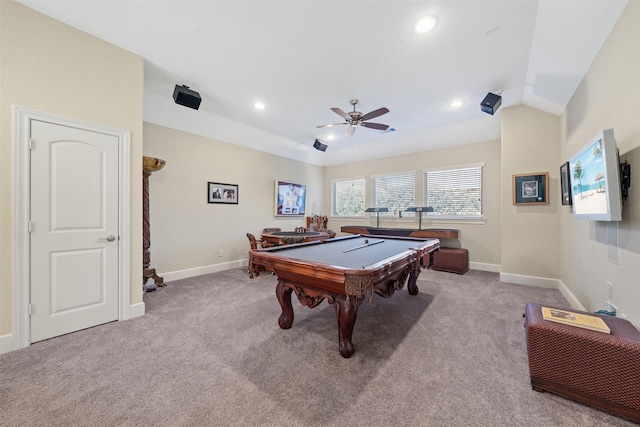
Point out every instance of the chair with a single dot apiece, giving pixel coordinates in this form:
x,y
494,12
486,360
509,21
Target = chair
x,y
253,243
256,244
317,223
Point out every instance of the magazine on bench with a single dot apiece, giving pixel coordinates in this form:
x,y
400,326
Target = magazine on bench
x,y
593,323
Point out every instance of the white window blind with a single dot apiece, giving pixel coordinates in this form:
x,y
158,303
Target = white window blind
x,y
454,192
348,197
396,192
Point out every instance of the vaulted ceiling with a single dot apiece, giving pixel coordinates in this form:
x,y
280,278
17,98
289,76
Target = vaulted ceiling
x,y
300,58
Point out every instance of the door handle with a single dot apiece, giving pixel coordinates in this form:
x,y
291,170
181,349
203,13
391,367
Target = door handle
x,y
109,238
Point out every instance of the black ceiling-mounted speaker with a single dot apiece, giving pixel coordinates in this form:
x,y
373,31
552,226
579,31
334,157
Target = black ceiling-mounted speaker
x,y
184,96
320,146
491,103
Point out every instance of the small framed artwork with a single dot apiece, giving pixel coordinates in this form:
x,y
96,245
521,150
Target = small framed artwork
x,y
290,199
218,192
531,189
565,184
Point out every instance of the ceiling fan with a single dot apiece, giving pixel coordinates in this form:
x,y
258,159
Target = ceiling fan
x,y
356,118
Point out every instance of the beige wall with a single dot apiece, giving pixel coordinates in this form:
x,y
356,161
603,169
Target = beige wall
x,y
530,233
51,67
481,238
187,233
608,97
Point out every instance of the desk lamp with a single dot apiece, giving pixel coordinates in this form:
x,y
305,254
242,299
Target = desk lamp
x,y
420,210
377,211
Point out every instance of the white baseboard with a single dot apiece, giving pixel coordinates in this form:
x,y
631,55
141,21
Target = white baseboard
x,y
136,310
541,282
493,268
199,271
570,297
6,343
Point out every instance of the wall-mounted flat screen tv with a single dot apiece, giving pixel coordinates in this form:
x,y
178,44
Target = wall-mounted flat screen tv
x,y
290,198
595,180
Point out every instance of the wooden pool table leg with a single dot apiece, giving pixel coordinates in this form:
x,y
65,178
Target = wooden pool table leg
x,y
412,285
283,293
346,313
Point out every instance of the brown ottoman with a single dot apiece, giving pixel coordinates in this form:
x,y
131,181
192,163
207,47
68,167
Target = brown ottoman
x,y
452,260
602,370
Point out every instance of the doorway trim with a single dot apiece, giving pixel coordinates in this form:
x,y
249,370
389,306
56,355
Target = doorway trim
x,y
21,209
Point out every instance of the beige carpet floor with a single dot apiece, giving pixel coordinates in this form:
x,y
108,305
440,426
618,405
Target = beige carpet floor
x,y
209,352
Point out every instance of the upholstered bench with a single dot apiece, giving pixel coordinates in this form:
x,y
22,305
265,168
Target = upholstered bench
x,y
453,260
595,368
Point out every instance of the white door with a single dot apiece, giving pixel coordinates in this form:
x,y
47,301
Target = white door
x,y
74,229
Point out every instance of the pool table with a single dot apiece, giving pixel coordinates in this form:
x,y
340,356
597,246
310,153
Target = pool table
x,y
345,271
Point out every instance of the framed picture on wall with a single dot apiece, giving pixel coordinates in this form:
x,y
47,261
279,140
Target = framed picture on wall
x,y
531,189
218,192
290,198
565,184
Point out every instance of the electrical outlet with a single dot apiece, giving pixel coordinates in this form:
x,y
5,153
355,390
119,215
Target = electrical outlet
x,y
220,252
609,289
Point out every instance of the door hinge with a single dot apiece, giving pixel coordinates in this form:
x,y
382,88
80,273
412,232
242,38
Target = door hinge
x,y
29,227
30,309
31,144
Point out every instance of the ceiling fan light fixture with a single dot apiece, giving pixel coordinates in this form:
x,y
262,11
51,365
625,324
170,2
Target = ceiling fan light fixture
x,y
425,25
355,118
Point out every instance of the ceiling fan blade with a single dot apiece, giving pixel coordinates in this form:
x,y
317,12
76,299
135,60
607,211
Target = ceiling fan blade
x,y
341,113
350,131
332,124
375,113
379,126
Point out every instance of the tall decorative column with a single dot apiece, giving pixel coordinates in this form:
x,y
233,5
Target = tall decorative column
x,y
149,164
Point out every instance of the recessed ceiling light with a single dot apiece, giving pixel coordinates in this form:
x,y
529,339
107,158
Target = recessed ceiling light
x,y
259,106
456,104
425,25
330,137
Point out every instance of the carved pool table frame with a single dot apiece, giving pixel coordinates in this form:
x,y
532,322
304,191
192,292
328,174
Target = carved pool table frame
x,y
314,282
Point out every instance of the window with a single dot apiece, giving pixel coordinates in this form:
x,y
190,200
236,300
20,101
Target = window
x,y
454,193
396,192
348,197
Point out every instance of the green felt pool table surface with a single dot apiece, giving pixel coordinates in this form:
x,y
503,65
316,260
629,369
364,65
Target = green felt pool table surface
x,y
353,252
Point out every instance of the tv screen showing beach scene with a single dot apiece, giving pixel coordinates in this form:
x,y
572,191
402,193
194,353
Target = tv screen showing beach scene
x,y
595,180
